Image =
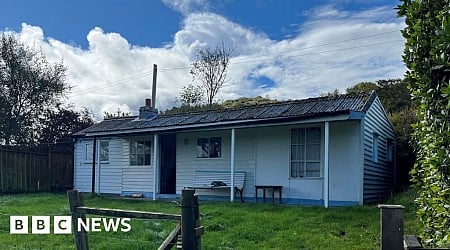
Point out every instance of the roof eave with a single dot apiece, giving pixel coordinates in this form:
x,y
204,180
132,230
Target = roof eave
x,y
336,116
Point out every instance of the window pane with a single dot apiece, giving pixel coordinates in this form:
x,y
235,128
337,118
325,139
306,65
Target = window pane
x,y
104,151
140,147
133,147
297,169
297,152
88,152
215,147
294,153
140,159
202,148
313,152
147,147
313,169
140,153
147,159
133,160
313,135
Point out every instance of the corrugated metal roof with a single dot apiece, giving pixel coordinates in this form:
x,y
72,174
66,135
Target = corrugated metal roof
x,y
298,109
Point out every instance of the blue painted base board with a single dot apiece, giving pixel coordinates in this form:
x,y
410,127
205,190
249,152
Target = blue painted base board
x,y
285,201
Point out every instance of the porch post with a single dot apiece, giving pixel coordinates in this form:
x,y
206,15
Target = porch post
x,y
155,164
98,165
233,140
326,166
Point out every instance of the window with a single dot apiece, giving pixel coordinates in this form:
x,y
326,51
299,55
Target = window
x,y
390,150
305,152
104,151
140,153
375,147
209,147
88,151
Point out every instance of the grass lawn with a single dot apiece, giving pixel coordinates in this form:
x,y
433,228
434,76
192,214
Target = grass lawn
x,y
227,225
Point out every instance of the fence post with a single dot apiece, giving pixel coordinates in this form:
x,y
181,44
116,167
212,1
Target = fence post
x,y
76,200
391,217
190,220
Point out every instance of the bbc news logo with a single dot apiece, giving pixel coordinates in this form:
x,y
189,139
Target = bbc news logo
x,y
63,225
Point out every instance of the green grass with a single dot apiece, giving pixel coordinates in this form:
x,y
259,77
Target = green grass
x,y
227,225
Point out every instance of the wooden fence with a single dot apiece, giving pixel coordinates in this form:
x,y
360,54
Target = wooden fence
x,y
186,235
24,170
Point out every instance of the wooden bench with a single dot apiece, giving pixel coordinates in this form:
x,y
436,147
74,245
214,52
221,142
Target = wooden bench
x,y
205,179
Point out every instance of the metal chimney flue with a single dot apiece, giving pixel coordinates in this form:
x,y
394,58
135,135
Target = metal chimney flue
x,y
153,100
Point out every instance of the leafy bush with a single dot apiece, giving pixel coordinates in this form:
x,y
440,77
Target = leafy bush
x,y
426,55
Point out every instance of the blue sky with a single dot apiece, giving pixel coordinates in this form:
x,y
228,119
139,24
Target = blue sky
x,y
284,49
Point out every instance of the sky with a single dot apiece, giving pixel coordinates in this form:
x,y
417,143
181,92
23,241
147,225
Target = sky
x,y
282,49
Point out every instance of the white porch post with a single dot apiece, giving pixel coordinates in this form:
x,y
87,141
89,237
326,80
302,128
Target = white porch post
x,y
97,172
155,164
326,177
233,140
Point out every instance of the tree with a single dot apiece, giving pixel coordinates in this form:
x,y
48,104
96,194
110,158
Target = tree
x,y
30,88
191,95
363,87
62,123
427,57
210,70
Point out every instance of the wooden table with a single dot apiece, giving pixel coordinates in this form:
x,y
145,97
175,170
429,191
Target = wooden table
x,y
274,189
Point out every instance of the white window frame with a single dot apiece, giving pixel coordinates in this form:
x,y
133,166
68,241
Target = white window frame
x,y
104,150
144,141
88,152
305,160
209,138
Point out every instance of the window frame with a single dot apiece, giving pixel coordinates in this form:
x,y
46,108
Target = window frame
x,y
390,152
209,138
304,157
88,152
140,155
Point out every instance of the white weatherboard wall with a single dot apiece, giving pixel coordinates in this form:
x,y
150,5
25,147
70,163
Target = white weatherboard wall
x,y
82,169
345,168
187,161
116,175
264,153
377,175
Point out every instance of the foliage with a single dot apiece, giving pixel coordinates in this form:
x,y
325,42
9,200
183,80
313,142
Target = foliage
x,y
227,225
210,69
393,93
247,101
30,89
195,108
363,87
191,95
335,92
62,123
118,114
427,57
228,104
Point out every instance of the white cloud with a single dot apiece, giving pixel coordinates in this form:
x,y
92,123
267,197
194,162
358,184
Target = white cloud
x,y
333,49
187,6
